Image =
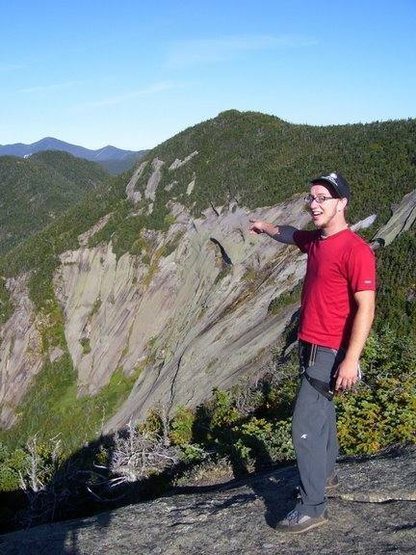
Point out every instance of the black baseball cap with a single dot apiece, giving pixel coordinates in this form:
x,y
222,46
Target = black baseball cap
x,y
337,183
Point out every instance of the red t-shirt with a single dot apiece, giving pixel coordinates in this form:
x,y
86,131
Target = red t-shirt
x,y
338,266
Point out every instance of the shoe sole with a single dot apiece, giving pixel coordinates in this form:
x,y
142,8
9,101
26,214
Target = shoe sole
x,y
299,530
310,527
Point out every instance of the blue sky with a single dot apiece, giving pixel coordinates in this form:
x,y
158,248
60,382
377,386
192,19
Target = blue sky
x,y
133,73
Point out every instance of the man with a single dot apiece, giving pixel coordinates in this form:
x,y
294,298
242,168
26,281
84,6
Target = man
x,y
337,311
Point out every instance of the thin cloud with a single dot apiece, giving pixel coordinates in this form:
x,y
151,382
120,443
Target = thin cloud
x,y
205,51
50,88
120,99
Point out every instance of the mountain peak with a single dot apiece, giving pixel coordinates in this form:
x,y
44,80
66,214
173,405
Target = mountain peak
x,y
111,157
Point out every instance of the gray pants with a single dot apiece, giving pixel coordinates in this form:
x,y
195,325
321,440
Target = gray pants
x,y
314,430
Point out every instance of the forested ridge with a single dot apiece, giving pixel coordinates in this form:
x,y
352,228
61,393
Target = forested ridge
x,y
114,160
34,191
261,160
256,160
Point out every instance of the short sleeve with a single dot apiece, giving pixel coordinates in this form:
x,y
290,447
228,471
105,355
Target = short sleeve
x,y
303,239
361,269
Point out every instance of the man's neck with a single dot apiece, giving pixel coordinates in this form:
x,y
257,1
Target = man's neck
x,y
332,230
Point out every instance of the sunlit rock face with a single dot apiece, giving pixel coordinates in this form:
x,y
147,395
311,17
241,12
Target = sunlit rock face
x,y
20,351
194,317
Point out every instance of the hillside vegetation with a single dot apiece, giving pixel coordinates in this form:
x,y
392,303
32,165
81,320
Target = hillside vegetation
x,y
36,190
257,160
261,160
116,167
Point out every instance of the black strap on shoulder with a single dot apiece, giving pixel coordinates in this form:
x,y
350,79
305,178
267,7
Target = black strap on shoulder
x,y
320,386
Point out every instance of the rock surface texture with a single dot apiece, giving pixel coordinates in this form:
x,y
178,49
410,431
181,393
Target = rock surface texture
x,y
372,512
211,296
402,219
20,350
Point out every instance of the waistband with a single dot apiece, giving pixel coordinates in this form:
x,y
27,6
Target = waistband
x,y
314,346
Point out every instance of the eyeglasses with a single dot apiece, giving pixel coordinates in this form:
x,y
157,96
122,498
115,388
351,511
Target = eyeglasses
x,y
319,199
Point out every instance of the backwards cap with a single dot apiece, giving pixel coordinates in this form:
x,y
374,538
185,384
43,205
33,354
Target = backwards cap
x,y
337,183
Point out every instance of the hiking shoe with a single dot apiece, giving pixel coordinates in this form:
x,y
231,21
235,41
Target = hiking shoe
x,y
296,523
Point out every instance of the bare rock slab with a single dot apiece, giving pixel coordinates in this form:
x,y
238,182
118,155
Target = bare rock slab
x,y
374,511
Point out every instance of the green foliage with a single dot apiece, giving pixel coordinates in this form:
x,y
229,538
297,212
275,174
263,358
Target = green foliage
x,y
52,406
169,220
123,229
285,299
248,425
153,266
13,464
39,256
193,454
266,440
382,411
261,160
85,344
223,409
153,424
181,426
378,416
96,306
6,307
31,466
388,354
396,292
35,191
281,441
116,167
181,434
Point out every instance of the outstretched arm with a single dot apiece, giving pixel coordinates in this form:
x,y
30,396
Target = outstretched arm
x,y
281,233
347,373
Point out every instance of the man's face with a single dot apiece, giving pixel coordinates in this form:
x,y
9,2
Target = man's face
x,y
323,214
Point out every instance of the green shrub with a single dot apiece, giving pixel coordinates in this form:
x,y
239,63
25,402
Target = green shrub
x,y
153,424
263,442
285,299
375,417
382,411
86,345
169,220
223,410
13,464
181,426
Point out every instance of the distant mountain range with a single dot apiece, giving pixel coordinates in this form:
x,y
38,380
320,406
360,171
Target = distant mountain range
x,y
114,160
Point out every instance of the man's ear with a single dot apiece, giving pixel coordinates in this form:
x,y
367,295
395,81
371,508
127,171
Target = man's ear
x,y
343,202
